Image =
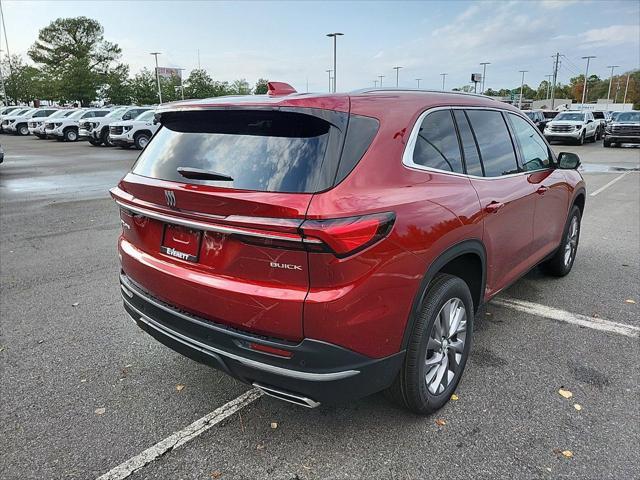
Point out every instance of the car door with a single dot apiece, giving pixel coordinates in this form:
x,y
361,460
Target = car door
x,y
552,191
506,197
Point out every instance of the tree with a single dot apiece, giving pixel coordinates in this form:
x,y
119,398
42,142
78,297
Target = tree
x,y
144,90
240,87
261,87
75,53
170,88
116,87
21,81
199,85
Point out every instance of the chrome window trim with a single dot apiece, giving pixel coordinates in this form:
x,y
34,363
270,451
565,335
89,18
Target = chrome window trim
x,y
407,156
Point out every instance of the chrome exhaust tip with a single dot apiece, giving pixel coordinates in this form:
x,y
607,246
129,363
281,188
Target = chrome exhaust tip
x,y
287,396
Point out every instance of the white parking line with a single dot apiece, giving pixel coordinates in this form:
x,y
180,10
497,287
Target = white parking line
x,y
181,437
568,317
603,188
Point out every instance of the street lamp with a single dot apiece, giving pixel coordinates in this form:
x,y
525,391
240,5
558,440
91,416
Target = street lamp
x,y
443,75
610,80
335,36
484,72
155,54
329,72
380,77
586,76
397,69
418,80
521,88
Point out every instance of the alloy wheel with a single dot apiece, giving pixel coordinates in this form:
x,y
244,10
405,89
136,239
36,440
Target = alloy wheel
x,y
571,245
446,346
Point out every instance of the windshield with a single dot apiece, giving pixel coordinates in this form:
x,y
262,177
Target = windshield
x,y
578,117
145,116
116,113
628,117
263,151
59,113
24,111
77,114
531,115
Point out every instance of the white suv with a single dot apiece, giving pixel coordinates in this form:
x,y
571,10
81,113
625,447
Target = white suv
x,y
36,125
8,117
5,111
18,124
98,129
136,132
66,128
572,125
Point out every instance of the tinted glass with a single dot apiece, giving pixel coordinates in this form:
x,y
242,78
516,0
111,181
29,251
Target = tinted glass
x,y
260,150
628,117
145,116
531,115
496,149
78,114
469,148
535,154
437,143
570,116
117,112
360,133
100,113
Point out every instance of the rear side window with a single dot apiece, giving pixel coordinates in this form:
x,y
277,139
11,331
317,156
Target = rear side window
x,y
494,141
437,143
270,151
469,147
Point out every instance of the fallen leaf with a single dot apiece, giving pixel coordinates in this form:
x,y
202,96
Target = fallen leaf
x,y
577,406
179,387
260,446
83,380
216,474
454,397
440,422
628,300
567,454
40,341
75,304
274,425
100,411
565,393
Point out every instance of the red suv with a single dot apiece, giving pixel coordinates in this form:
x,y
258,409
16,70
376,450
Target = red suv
x,y
326,247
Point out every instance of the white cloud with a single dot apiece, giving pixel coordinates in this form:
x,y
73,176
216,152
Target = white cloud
x,y
612,35
556,4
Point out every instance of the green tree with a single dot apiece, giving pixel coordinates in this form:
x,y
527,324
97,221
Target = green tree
x,y
170,88
199,85
144,90
261,87
75,53
240,87
21,81
116,87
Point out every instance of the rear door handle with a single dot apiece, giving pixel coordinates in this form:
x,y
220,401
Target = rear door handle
x,y
493,207
542,190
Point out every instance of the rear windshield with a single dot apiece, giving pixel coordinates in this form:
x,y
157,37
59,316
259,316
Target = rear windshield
x,y
272,151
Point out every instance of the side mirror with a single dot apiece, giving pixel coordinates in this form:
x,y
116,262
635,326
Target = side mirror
x,y
126,116
568,161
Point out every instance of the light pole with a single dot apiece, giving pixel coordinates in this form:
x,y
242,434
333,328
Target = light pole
x,y
4,92
418,80
181,83
329,72
586,76
155,54
335,37
521,88
380,77
610,80
626,89
549,77
397,69
444,76
375,84
484,72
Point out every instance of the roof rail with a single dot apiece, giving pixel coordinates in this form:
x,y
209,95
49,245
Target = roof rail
x,y
384,89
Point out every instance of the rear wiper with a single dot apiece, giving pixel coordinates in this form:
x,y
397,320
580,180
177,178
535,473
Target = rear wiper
x,y
199,174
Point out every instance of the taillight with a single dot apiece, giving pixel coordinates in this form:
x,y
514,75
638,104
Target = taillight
x,y
346,236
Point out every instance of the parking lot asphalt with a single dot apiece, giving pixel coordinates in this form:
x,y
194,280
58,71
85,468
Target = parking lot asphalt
x,y
84,390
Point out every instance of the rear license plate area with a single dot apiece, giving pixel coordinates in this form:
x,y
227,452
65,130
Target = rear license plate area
x,y
181,242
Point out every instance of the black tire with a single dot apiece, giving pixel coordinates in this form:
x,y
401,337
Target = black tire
x,y
606,143
411,388
560,265
141,140
104,138
593,138
581,140
70,135
95,143
22,130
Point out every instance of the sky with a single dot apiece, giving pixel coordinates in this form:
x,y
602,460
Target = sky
x,y
286,41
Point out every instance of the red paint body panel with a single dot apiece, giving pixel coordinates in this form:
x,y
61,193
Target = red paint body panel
x,y
361,302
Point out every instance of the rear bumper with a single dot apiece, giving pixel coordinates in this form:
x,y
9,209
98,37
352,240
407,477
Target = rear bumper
x,y
317,371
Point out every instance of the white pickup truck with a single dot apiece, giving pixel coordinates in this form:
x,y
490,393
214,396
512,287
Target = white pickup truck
x,y
97,130
67,129
136,132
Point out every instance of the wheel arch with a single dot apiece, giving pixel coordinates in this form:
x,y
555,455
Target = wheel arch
x,y
143,131
579,200
454,261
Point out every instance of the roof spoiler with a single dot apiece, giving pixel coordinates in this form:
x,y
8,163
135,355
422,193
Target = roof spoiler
x,y
278,89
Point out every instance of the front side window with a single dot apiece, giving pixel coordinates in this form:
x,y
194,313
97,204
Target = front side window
x,y
437,143
494,142
535,154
